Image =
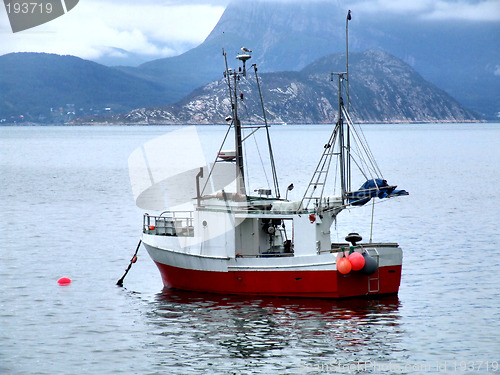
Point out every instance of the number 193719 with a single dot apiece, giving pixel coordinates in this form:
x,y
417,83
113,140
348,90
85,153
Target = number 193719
x,y
28,8
462,366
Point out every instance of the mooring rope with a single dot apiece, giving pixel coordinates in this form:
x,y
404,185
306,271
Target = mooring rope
x,y
133,260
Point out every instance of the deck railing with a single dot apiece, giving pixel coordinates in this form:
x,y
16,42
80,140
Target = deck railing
x,y
169,223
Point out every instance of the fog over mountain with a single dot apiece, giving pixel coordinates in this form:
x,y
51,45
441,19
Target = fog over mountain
x,y
461,57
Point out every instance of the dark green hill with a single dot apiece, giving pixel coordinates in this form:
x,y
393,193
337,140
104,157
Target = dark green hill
x,y
34,83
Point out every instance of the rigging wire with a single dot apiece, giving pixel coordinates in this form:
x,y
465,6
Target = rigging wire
x,y
335,176
228,81
271,156
371,154
245,137
360,167
235,122
216,157
246,110
261,160
321,171
247,169
364,168
362,143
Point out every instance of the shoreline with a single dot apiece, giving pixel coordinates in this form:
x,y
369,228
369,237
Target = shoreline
x,y
105,123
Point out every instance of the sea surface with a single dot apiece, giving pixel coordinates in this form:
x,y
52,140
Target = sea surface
x,y
67,209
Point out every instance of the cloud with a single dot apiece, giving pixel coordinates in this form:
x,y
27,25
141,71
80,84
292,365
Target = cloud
x,y
481,11
394,6
159,28
471,10
96,28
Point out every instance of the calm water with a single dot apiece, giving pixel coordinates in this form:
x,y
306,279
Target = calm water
x,y
67,210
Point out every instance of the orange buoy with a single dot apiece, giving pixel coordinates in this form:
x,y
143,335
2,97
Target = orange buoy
x,y
343,265
64,281
357,261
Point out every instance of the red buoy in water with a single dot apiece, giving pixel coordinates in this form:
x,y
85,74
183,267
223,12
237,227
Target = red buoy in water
x,y
344,266
64,281
357,261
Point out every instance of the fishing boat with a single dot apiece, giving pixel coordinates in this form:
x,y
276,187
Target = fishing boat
x,y
259,243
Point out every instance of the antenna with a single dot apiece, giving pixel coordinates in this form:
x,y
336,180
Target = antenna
x,y
243,58
348,135
233,94
348,18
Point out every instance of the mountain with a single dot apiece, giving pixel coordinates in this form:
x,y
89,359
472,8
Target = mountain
x,y
47,87
383,89
286,35
461,57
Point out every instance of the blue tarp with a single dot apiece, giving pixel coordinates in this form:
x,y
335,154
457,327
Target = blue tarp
x,y
371,189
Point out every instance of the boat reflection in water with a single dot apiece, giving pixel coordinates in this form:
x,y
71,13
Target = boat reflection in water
x,y
301,330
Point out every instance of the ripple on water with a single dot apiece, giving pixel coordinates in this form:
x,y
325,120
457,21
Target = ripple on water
x,y
74,215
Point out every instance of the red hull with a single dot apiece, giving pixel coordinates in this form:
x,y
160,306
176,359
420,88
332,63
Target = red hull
x,y
320,284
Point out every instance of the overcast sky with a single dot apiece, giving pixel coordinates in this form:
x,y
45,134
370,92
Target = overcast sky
x,y
161,28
